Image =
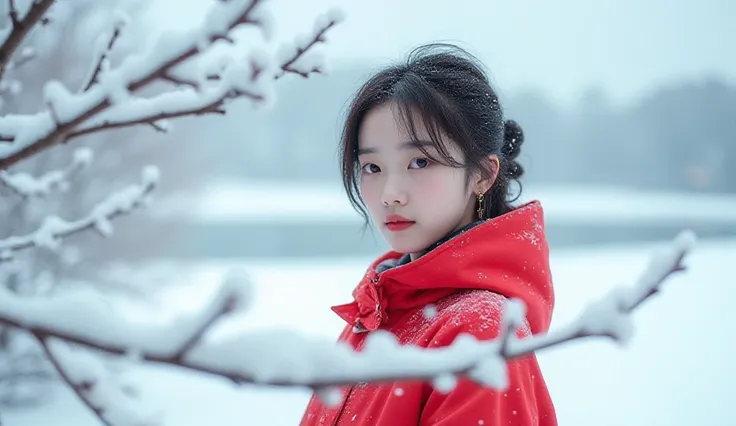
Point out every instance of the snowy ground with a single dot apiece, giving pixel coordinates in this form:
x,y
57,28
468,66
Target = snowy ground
x,y
676,371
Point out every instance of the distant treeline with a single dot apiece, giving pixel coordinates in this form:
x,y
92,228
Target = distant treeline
x,y
681,136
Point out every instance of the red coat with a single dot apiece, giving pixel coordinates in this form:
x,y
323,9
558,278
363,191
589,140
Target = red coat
x,y
464,282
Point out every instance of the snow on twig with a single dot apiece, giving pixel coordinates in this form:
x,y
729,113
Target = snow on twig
x,y
298,58
294,58
171,339
611,315
114,94
287,359
28,186
53,229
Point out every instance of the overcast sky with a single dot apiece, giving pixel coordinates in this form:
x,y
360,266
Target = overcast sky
x,y
561,47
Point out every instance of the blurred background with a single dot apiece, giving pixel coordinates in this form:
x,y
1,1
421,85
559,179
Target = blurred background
x,y
629,112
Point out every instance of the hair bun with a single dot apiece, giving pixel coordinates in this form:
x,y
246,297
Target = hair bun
x,y
513,138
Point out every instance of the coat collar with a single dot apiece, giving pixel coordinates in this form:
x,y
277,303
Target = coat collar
x,y
508,254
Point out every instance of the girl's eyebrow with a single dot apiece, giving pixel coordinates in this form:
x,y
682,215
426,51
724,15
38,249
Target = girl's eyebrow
x,y
404,145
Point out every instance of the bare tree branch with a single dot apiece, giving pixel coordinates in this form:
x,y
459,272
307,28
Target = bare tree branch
x,y
21,29
321,365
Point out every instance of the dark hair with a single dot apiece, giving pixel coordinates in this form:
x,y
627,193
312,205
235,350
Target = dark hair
x,y
452,95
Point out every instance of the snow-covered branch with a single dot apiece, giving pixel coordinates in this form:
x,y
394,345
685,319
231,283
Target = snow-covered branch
x,y
28,186
113,94
53,228
21,27
182,340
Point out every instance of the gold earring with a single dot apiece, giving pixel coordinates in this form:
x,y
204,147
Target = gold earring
x,y
480,205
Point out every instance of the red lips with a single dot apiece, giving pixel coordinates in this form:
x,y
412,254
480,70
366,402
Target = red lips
x,y
396,222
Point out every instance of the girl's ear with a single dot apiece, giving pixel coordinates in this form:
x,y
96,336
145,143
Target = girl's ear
x,y
485,180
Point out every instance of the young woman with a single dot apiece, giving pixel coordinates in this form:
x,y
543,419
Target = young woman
x,y
427,151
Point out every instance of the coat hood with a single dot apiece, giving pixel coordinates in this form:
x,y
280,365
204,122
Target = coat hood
x,y
508,255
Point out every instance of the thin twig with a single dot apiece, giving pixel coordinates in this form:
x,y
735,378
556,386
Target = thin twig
x,y
13,12
79,389
287,67
212,108
101,60
21,29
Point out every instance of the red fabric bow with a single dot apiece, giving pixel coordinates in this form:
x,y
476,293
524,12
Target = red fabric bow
x,y
368,309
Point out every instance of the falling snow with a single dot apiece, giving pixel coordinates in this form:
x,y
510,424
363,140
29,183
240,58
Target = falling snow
x,y
429,311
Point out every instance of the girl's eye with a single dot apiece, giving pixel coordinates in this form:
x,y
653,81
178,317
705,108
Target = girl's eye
x,y
370,168
419,163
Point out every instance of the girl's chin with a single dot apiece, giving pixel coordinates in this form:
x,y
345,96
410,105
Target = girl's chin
x,y
405,247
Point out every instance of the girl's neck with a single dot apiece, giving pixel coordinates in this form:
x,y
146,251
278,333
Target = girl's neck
x,y
452,234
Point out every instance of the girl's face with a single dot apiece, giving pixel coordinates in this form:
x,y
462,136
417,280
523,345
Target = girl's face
x,y
413,201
